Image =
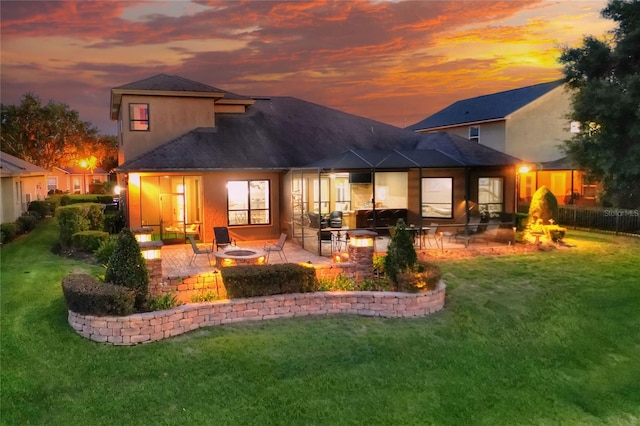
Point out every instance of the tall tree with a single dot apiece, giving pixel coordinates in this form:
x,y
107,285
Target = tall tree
x,y
605,76
46,135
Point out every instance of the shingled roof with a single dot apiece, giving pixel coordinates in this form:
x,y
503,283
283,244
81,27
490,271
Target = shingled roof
x,y
14,166
283,133
495,106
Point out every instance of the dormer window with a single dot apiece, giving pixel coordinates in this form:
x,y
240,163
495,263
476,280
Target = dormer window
x,y
474,134
139,117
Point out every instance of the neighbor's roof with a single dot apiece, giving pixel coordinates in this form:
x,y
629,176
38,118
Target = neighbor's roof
x,y
386,159
14,166
283,133
463,150
174,85
79,170
564,163
495,106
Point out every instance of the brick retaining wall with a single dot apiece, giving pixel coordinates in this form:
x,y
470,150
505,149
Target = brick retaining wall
x,y
158,325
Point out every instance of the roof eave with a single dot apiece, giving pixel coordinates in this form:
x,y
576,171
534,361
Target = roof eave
x,y
463,123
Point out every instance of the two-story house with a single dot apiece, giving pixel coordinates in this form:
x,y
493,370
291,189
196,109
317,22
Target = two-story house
x,y
193,157
529,123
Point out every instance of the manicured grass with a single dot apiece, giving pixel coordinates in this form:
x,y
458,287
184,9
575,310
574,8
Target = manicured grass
x,y
544,338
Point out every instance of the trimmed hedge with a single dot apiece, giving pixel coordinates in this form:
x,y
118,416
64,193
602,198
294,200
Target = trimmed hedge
x,y
77,218
71,220
83,294
88,241
258,280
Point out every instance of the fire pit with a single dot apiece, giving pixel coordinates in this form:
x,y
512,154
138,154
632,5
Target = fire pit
x,y
238,256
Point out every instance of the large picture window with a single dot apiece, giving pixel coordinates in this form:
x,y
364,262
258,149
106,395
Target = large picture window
x,y
139,117
248,202
490,196
437,197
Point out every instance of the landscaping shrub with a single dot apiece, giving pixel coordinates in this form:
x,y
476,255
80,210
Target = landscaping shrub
x,y
88,241
128,268
72,220
40,208
340,282
544,206
65,200
206,296
85,295
113,222
258,280
105,250
95,216
104,199
161,303
401,255
8,231
26,223
422,277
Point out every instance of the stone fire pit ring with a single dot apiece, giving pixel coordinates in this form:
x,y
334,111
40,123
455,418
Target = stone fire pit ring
x,y
240,256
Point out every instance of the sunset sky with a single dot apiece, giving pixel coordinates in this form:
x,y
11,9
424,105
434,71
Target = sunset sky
x,y
393,61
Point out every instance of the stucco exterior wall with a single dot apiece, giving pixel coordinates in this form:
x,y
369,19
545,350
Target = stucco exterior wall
x,y
169,117
492,134
535,131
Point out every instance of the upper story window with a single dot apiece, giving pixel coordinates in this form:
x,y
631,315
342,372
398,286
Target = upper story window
x,y
474,134
139,117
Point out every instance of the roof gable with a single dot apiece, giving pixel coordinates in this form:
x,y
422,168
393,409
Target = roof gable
x,y
172,85
490,107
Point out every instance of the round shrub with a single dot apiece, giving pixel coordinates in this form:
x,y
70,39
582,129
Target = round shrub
x,y
71,220
544,206
39,207
26,223
8,231
128,268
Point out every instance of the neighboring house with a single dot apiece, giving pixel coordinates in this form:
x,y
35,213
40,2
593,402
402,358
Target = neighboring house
x,y
529,123
22,182
193,157
75,179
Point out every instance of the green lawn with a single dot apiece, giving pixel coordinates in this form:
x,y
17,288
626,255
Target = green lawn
x,y
545,339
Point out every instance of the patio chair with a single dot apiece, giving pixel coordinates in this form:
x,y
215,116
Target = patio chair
x,y
221,237
279,247
197,250
335,219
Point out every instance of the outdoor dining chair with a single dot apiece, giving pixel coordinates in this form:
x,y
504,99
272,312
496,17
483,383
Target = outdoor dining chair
x,y
197,250
278,247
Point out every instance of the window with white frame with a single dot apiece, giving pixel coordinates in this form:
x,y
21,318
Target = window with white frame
x,y
437,197
139,117
474,134
490,196
52,183
248,202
